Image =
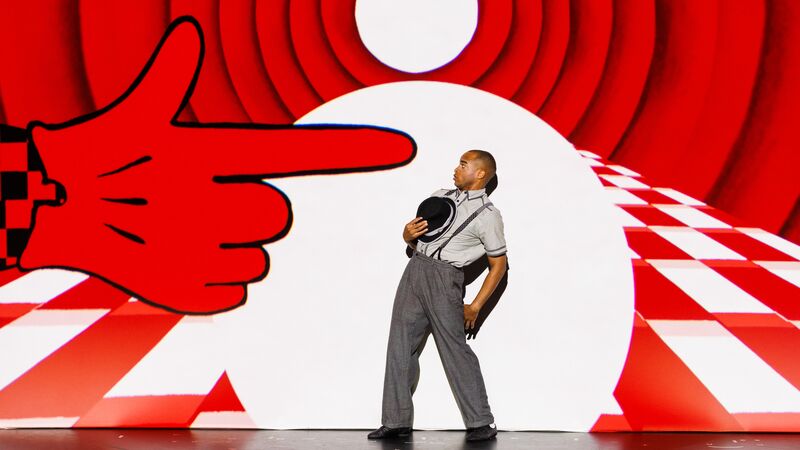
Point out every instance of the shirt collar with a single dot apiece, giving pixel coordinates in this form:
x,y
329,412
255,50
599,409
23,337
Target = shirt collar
x,y
475,193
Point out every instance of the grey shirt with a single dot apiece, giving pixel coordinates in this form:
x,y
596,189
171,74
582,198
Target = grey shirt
x,y
482,235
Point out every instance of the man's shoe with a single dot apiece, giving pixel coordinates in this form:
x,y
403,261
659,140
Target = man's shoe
x,y
386,433
483,433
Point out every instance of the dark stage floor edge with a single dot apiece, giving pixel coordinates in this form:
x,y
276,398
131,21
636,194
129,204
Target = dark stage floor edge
x,y
105,439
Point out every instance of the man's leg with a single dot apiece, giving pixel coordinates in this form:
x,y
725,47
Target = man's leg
x,y
408,329
445,300
414,367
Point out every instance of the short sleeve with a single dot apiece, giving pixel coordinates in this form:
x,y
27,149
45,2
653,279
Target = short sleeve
x,y
492,235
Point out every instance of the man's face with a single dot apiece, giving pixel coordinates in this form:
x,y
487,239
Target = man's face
x,y
468,171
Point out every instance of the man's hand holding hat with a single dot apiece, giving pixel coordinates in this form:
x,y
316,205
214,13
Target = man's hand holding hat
x,y
414,230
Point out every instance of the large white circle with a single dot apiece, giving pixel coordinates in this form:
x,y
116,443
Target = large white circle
x,y
308,349
416,35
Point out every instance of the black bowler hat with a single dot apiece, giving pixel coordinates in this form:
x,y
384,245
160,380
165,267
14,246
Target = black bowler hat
x,y
440,212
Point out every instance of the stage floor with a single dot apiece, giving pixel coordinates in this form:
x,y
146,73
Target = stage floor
x,y
356,439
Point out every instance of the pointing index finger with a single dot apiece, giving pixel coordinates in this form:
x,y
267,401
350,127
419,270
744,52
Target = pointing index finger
x,y
284,151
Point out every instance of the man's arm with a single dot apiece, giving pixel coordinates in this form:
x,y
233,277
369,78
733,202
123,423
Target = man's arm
x,y
497,268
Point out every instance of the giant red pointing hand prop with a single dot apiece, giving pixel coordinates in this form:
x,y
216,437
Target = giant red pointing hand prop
x,y
176,213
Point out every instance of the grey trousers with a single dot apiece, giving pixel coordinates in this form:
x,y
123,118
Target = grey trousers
x,y
430,298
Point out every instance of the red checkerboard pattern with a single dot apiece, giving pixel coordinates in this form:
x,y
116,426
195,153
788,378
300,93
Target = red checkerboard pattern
x,y
74,382
660,387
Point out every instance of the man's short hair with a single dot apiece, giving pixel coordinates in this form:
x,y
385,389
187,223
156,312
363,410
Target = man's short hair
x,y
487,160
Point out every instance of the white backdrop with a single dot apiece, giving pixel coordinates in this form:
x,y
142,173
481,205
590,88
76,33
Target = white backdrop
x,y
308,348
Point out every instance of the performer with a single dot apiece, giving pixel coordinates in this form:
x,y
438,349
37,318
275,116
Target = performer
x,y
430,298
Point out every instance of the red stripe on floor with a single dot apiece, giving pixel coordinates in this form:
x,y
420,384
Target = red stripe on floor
x,y
745,245
75,377
659,298
770,289
769,422
773,339
651,216
609,422
649,245
653,197
90,294
657,391
222,397
157,411
9,275
10,312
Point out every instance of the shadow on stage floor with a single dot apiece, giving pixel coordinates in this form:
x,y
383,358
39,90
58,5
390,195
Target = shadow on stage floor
x,y
356,439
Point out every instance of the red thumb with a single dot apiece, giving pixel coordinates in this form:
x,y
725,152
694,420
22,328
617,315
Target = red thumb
x,y
167,80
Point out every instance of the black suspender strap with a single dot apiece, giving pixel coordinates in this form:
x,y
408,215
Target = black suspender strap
x,y
438,253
